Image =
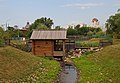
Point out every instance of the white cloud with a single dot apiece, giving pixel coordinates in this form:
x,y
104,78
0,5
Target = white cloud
x,y
83,6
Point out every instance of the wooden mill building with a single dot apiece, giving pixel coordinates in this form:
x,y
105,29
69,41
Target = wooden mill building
x,y
48,42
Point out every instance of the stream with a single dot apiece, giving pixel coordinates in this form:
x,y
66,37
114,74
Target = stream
x,y
68,74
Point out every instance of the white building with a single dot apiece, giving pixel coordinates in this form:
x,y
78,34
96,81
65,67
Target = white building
x,y
95,23
74,25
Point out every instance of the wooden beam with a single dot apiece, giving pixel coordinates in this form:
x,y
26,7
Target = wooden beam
x,y
63,47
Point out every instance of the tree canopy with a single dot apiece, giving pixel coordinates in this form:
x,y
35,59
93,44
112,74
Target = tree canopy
x,y
113,26
84,31
1,33
42,23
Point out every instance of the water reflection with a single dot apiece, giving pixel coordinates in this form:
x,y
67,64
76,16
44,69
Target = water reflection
x,y
68,74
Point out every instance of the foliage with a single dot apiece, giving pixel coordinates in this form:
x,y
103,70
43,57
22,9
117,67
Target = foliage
x,y
85,31
89,43
118,10
100,67
42,23
20,67
77,26
100,33
90,33
1,36
113,26
1,33
23,45
10,33
47,22
57,27
1,43
71,31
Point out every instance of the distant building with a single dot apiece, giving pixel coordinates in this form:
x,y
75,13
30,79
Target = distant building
x,y
83,25
26,26
71,26
74,25
95,23
25,29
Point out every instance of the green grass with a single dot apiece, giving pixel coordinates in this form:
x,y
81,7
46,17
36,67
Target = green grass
x,y
18,66
18,42
94,42
100,67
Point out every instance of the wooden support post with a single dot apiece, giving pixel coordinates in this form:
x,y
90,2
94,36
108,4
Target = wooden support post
x,y
63,47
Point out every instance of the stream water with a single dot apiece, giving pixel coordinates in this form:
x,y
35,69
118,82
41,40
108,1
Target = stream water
x,y
68,73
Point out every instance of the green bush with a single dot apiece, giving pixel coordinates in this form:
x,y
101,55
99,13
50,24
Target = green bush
x,y
23,47
88,44
1,43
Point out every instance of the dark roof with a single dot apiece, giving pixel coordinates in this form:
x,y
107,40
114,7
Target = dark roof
x,y
94,19
49,34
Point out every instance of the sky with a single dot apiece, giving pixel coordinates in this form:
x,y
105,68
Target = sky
x,y
63,12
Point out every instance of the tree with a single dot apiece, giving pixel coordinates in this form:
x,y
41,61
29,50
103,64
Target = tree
x,y
47,22
12,32
42,23
77,26
57,27
100,33
90,33
113,26
1,33
41,26
83,31
118,10
10,28
1,36
71,31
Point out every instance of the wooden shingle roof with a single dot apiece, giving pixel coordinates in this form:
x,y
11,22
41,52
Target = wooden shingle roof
x,y
49,34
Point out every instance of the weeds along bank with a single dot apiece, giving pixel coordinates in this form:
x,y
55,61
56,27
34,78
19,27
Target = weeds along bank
x,y
19,66
102,66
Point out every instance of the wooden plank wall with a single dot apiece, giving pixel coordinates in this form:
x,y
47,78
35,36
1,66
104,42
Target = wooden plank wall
x,y
42,48
58,53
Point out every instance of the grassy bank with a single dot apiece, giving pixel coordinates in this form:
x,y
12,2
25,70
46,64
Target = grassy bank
x,y
100,67
18,66
94,42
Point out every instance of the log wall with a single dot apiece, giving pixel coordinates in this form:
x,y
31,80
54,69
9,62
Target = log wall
x,y
42,48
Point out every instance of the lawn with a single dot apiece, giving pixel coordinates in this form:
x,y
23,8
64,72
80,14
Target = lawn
x,y
94,42
100,67
18,66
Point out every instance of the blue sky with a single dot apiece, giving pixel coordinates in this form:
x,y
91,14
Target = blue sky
x,y
63,12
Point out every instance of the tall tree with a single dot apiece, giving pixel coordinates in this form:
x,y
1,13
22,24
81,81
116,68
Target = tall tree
x,y
113,26
71,31
42,23
12,32
57,27
47,22
77,26
118,10
1,36
83,30
1,33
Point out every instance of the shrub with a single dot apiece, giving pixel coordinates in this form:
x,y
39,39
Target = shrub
x,y
1,43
